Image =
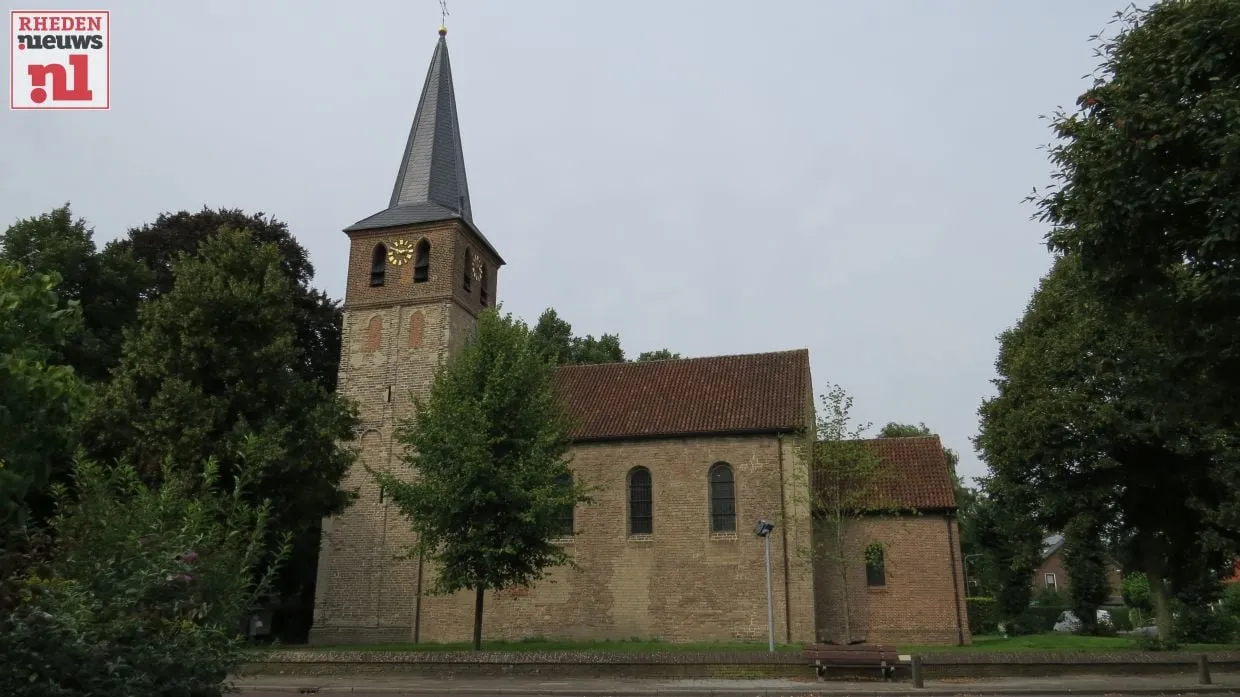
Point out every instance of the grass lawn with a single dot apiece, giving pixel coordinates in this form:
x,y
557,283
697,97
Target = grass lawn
x,y
1038,642
1055,641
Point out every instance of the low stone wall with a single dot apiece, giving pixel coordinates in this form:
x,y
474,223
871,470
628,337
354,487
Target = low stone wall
x,y
670,664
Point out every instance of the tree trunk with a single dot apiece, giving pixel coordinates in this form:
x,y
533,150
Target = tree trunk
x,y
843,560
1162,604
478,618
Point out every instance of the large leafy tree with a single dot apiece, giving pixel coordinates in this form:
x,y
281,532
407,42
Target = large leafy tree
x,y
39,402
317,318
488,453
107,284
210,372
1009,541
1146,197
1147,180
1087,419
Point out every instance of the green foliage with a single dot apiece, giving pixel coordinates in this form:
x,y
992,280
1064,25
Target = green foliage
x,y
39,403
1086,562
1194,624
144,592
1011,545
211,371
1146,191
1153,643
1136,592
1231,600
487,450
659,355
984,616
106,284
316,317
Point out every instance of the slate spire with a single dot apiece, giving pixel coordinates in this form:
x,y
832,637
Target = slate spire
x,y
431,183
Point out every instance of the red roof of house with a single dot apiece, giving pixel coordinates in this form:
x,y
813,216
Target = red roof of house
x,y
914,474
753,393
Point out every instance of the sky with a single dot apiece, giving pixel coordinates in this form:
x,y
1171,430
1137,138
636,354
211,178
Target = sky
x,y
708,176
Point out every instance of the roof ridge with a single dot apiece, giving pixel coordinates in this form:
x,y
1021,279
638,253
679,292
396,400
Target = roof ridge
x,y
684,360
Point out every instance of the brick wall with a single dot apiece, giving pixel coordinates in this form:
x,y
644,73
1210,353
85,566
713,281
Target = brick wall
x,y
681,583
922,601
394,337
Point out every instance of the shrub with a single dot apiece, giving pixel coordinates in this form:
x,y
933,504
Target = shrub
x,y
1153,643
983,616
1202,625
145,591
1231,601
1135,589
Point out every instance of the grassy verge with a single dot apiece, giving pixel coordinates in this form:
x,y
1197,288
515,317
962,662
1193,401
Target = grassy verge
x,y
1056,642
1037,642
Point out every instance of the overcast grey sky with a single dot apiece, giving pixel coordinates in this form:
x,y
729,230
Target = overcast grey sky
x,y
709,176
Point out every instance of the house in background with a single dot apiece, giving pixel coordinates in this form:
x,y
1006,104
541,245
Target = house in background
x,y
1052,573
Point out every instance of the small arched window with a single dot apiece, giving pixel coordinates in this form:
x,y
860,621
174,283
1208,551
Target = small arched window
x,y
722,498
469,262
378,265
422,262
564,526
641,502
482,286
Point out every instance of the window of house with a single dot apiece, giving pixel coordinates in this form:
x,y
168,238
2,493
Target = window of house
x,y
722,498
565,527
1051,581
469,262
482,286
378,265
641,502
875,566
422,262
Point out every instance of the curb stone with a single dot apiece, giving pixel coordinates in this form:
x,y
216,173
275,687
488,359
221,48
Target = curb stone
x,y
734,692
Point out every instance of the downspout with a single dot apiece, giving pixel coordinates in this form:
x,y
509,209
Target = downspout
x,y
951,554
784,518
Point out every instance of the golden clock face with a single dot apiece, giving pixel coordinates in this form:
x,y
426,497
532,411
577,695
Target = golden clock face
x,y
400,252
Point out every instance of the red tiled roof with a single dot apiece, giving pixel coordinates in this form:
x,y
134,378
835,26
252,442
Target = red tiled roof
x,y
753,393
914,474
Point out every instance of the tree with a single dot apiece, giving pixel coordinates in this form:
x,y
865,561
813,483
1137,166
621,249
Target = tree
x,y
658,355
317,318
488,456
39,403
1086,562
1087,419
1146,197
213,365
555,339
1010,542
848,481
106,284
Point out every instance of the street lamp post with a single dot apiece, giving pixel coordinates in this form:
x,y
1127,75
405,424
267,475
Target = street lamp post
x,y
763,529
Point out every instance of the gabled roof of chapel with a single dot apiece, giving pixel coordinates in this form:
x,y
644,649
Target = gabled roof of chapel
x,y
915,474
718,395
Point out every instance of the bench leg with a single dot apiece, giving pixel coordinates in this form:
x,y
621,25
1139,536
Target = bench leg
x,y
821,672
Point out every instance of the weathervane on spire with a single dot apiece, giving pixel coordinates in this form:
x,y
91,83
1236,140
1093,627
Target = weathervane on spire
x,y
443,17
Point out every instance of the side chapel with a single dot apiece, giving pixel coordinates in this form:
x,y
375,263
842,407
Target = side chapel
x,y
688,454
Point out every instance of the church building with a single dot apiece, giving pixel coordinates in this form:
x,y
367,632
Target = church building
x,y
685,456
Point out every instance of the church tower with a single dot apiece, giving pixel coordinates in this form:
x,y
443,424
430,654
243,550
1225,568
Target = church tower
x,y
419,273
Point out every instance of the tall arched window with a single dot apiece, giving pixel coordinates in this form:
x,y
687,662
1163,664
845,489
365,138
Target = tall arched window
x,y
422,262
378,265
469,262
565,528
722,498
482,286
641,502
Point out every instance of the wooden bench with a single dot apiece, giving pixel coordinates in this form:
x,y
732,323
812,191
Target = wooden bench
x,y
853,656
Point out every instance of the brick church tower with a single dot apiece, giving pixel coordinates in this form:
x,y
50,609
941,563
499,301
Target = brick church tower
x,y
419,273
